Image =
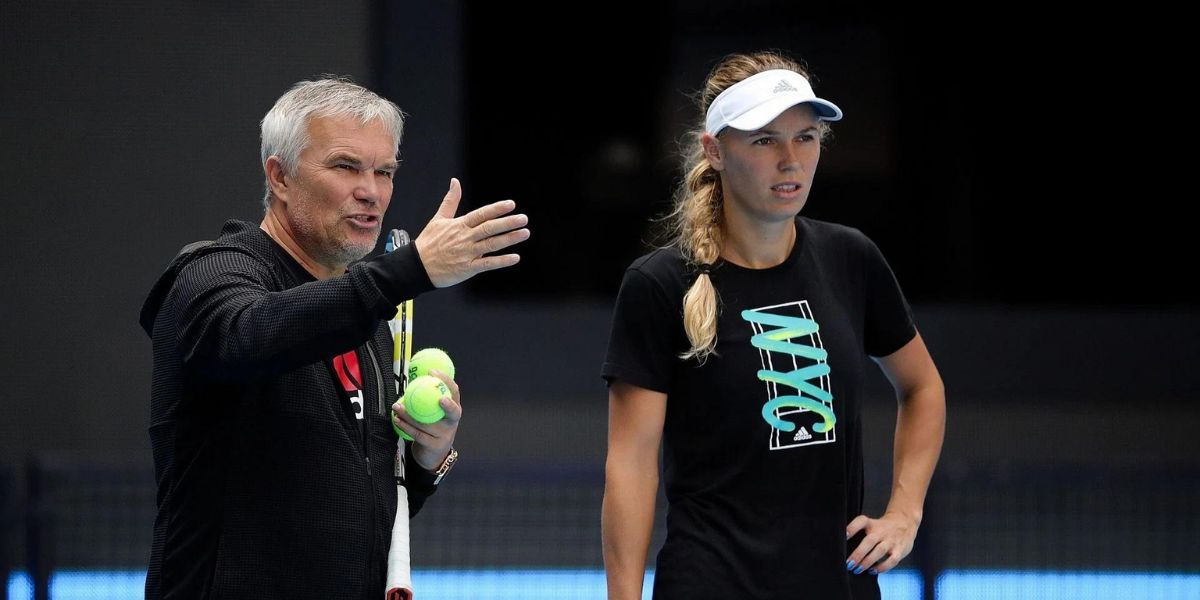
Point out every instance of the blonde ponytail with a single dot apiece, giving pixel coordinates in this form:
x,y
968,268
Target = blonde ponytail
x,y
698,235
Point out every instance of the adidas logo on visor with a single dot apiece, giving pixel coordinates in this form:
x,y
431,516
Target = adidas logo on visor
x,y
783,86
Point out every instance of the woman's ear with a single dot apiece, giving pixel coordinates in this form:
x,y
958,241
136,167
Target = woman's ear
x,y
712,150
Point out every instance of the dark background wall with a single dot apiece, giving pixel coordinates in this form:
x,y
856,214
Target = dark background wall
x,y
1017,172
129,129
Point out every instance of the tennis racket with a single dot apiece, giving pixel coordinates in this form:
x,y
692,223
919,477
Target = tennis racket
x,y
399,570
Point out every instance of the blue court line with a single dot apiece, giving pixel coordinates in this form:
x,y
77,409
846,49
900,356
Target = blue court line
x,y
987,584
588,584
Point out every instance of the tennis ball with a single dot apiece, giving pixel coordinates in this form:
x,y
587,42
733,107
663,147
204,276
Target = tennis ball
x,y
430,359
421,399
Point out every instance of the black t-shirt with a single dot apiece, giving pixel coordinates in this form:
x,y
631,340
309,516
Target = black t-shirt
x,y
755,510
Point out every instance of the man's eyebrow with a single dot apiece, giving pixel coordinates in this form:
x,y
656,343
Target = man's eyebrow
x,y
344,157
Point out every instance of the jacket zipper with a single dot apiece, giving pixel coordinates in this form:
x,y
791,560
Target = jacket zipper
x,y
379,397
378,379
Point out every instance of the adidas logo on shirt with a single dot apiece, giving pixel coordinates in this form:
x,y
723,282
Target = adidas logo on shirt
x,y
802,435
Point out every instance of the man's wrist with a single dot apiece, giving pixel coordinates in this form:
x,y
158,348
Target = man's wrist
x,y
444,466
430,460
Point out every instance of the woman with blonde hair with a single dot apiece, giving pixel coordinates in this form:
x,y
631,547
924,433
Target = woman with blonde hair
x,y
740,348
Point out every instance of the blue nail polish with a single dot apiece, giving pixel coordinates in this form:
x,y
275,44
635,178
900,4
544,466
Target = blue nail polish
x,y
849,565
858,571
873,572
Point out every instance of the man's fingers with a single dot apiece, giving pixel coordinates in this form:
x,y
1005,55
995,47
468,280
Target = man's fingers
x,y
449,204
500,242
498,226
484,214
452,409
491,263
401,419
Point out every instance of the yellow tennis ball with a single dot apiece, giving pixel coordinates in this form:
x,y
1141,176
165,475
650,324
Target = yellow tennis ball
x,y
421,399
430,359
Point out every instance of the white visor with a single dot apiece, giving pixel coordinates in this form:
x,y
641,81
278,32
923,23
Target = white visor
x,y
755,101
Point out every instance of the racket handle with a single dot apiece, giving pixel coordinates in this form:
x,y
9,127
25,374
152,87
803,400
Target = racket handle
x,y
399,573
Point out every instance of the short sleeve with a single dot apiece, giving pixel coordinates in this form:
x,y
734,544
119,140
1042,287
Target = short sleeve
x,y
643,342
888,321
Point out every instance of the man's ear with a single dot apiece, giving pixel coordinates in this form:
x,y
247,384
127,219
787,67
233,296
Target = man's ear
x,y
712,150
277,177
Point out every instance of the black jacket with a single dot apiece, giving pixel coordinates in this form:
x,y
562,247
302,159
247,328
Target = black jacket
x,y
268,487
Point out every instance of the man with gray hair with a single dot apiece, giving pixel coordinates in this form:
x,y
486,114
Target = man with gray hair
x,y
272,403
